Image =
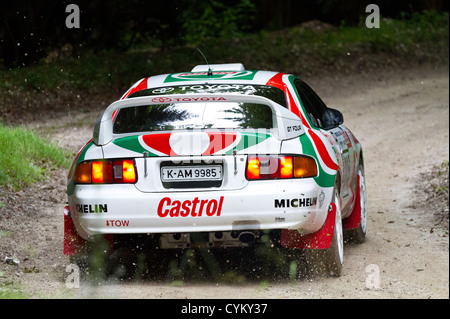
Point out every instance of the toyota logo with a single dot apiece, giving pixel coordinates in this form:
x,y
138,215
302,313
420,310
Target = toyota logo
x,y
162,90
162,99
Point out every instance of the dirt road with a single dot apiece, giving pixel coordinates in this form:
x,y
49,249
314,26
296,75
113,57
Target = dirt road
x,y
402,120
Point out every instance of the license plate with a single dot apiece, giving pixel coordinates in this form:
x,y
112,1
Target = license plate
x,y
191,173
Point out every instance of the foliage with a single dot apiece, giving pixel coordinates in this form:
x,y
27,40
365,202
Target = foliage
x,y
33,30
207,19
289,49
428,29
26,158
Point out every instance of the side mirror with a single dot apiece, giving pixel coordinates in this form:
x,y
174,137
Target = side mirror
x,y
332,118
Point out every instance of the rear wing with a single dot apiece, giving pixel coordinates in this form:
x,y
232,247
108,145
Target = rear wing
x,y
287,125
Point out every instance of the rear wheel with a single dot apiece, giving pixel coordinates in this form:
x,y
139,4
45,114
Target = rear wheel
x,y
93,259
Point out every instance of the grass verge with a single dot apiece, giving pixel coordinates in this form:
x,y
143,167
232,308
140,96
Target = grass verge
x,y
432,191
26,158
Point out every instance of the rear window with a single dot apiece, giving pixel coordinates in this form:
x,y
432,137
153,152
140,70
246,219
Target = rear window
x,y
182,116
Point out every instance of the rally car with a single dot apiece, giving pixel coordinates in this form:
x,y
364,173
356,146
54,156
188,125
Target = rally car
x,y
215,158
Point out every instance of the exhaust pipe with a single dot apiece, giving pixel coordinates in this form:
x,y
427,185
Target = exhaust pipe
x,y
246,237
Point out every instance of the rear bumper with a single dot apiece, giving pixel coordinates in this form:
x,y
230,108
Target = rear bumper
x,y
278,204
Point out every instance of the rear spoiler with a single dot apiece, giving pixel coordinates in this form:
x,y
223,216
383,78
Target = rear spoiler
x,y
287,126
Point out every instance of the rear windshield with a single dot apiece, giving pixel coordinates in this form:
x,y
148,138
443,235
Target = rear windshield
x,y
182,116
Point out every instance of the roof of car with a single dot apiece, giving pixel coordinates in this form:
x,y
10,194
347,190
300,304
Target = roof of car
x,y
208,75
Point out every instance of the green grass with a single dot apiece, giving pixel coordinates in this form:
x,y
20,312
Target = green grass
x,y
11,293
26,158
427,29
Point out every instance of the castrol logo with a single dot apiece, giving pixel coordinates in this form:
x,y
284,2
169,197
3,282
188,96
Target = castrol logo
x,y
190,208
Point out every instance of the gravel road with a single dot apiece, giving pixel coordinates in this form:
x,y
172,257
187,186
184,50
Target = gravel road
x,y
401,117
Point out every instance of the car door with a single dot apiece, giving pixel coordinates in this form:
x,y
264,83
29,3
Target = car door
x,y
346,157
329,121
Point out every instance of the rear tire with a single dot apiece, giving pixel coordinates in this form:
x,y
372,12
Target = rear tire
x,y
93,260
122,263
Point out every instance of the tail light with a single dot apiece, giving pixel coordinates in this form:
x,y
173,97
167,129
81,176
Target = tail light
x,y
124,171
101,172
106,172
276,167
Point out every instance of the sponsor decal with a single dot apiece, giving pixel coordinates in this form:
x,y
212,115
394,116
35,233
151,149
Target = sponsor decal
x,y
294,128
117,223
204,88
347,139
165,99
96,208
194,208
162,90
270,92
295,202
216,75
162,99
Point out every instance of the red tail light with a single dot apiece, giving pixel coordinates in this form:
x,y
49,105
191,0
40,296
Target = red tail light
x,y
276,167
101,172
124,171
286,167
106,172
253,168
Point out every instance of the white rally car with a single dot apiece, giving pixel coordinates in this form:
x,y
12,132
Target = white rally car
x,y
215,158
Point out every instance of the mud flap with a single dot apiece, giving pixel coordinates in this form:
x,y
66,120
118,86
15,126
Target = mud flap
x,y
353,221
74,244
319,240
